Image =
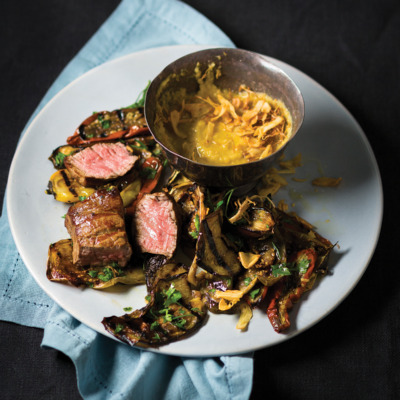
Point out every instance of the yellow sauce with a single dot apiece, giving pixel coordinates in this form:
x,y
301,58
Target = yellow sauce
x,y
222,127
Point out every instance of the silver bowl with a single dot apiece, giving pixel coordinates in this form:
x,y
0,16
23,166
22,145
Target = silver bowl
x,y
238,67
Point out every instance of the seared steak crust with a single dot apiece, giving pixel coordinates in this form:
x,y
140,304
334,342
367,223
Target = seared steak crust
x,y
100,163
97,229
155,224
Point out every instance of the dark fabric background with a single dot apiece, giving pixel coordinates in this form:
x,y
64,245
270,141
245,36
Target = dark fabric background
x,y
352,49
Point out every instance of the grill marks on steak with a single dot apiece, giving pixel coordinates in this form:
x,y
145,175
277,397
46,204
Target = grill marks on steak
x,y
97,229
155,224
100,163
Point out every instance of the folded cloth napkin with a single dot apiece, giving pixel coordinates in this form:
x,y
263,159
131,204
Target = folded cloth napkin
x,y
107,369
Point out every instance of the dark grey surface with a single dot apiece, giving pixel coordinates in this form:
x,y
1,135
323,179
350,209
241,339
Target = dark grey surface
x,y
352,49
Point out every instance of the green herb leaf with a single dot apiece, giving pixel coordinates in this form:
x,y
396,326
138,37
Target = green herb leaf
x,y
195,234
254,293
173,296
141,98
148,173
154,325
106,124
180,323
280,270
303,265
106,274
59,159
278,254
127,309
247,281
118,328
93,274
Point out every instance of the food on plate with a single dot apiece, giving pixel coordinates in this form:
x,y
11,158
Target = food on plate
x,y
66,189
222,127
62,269
107,126
173,311
100,163
97,229
197,249
156,224
232,271
326,181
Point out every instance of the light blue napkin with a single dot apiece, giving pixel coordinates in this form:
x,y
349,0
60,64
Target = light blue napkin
x,y
107,369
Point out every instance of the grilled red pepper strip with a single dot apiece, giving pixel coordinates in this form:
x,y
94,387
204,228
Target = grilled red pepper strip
x,y
281,303
122,129
151,170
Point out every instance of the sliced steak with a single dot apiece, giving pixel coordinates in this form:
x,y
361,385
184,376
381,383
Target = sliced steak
x,y
155,224
97,229
100,163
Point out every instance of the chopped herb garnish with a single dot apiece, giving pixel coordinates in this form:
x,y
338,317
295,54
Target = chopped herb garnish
x,y
219,204
254,293
278,254
106,124
195,234
118,328
148,298
180,323
228,196
156,336
138,145
127,309
247,281
106,274
148,173
81,198
93,274
173,296
280,269
154,325
64,216
59,159
141,98
303,265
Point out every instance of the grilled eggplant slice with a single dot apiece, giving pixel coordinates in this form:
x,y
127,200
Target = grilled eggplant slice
x,y
213,252
189,196
254,217
171,314
60,268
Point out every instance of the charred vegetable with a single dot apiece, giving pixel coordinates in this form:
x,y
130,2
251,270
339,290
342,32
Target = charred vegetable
x,y
213,252
58,155
60,268
114,125
66,189
172,312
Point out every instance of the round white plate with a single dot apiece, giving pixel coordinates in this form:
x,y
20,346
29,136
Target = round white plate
x,y
331,143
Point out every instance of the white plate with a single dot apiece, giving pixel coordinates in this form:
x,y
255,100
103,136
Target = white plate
x,y
331,142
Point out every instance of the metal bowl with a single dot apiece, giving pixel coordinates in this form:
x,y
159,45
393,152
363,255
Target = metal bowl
x,y
238,67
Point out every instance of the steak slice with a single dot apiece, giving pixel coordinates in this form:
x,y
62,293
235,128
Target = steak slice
x,y
100,163
155,224
97,229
